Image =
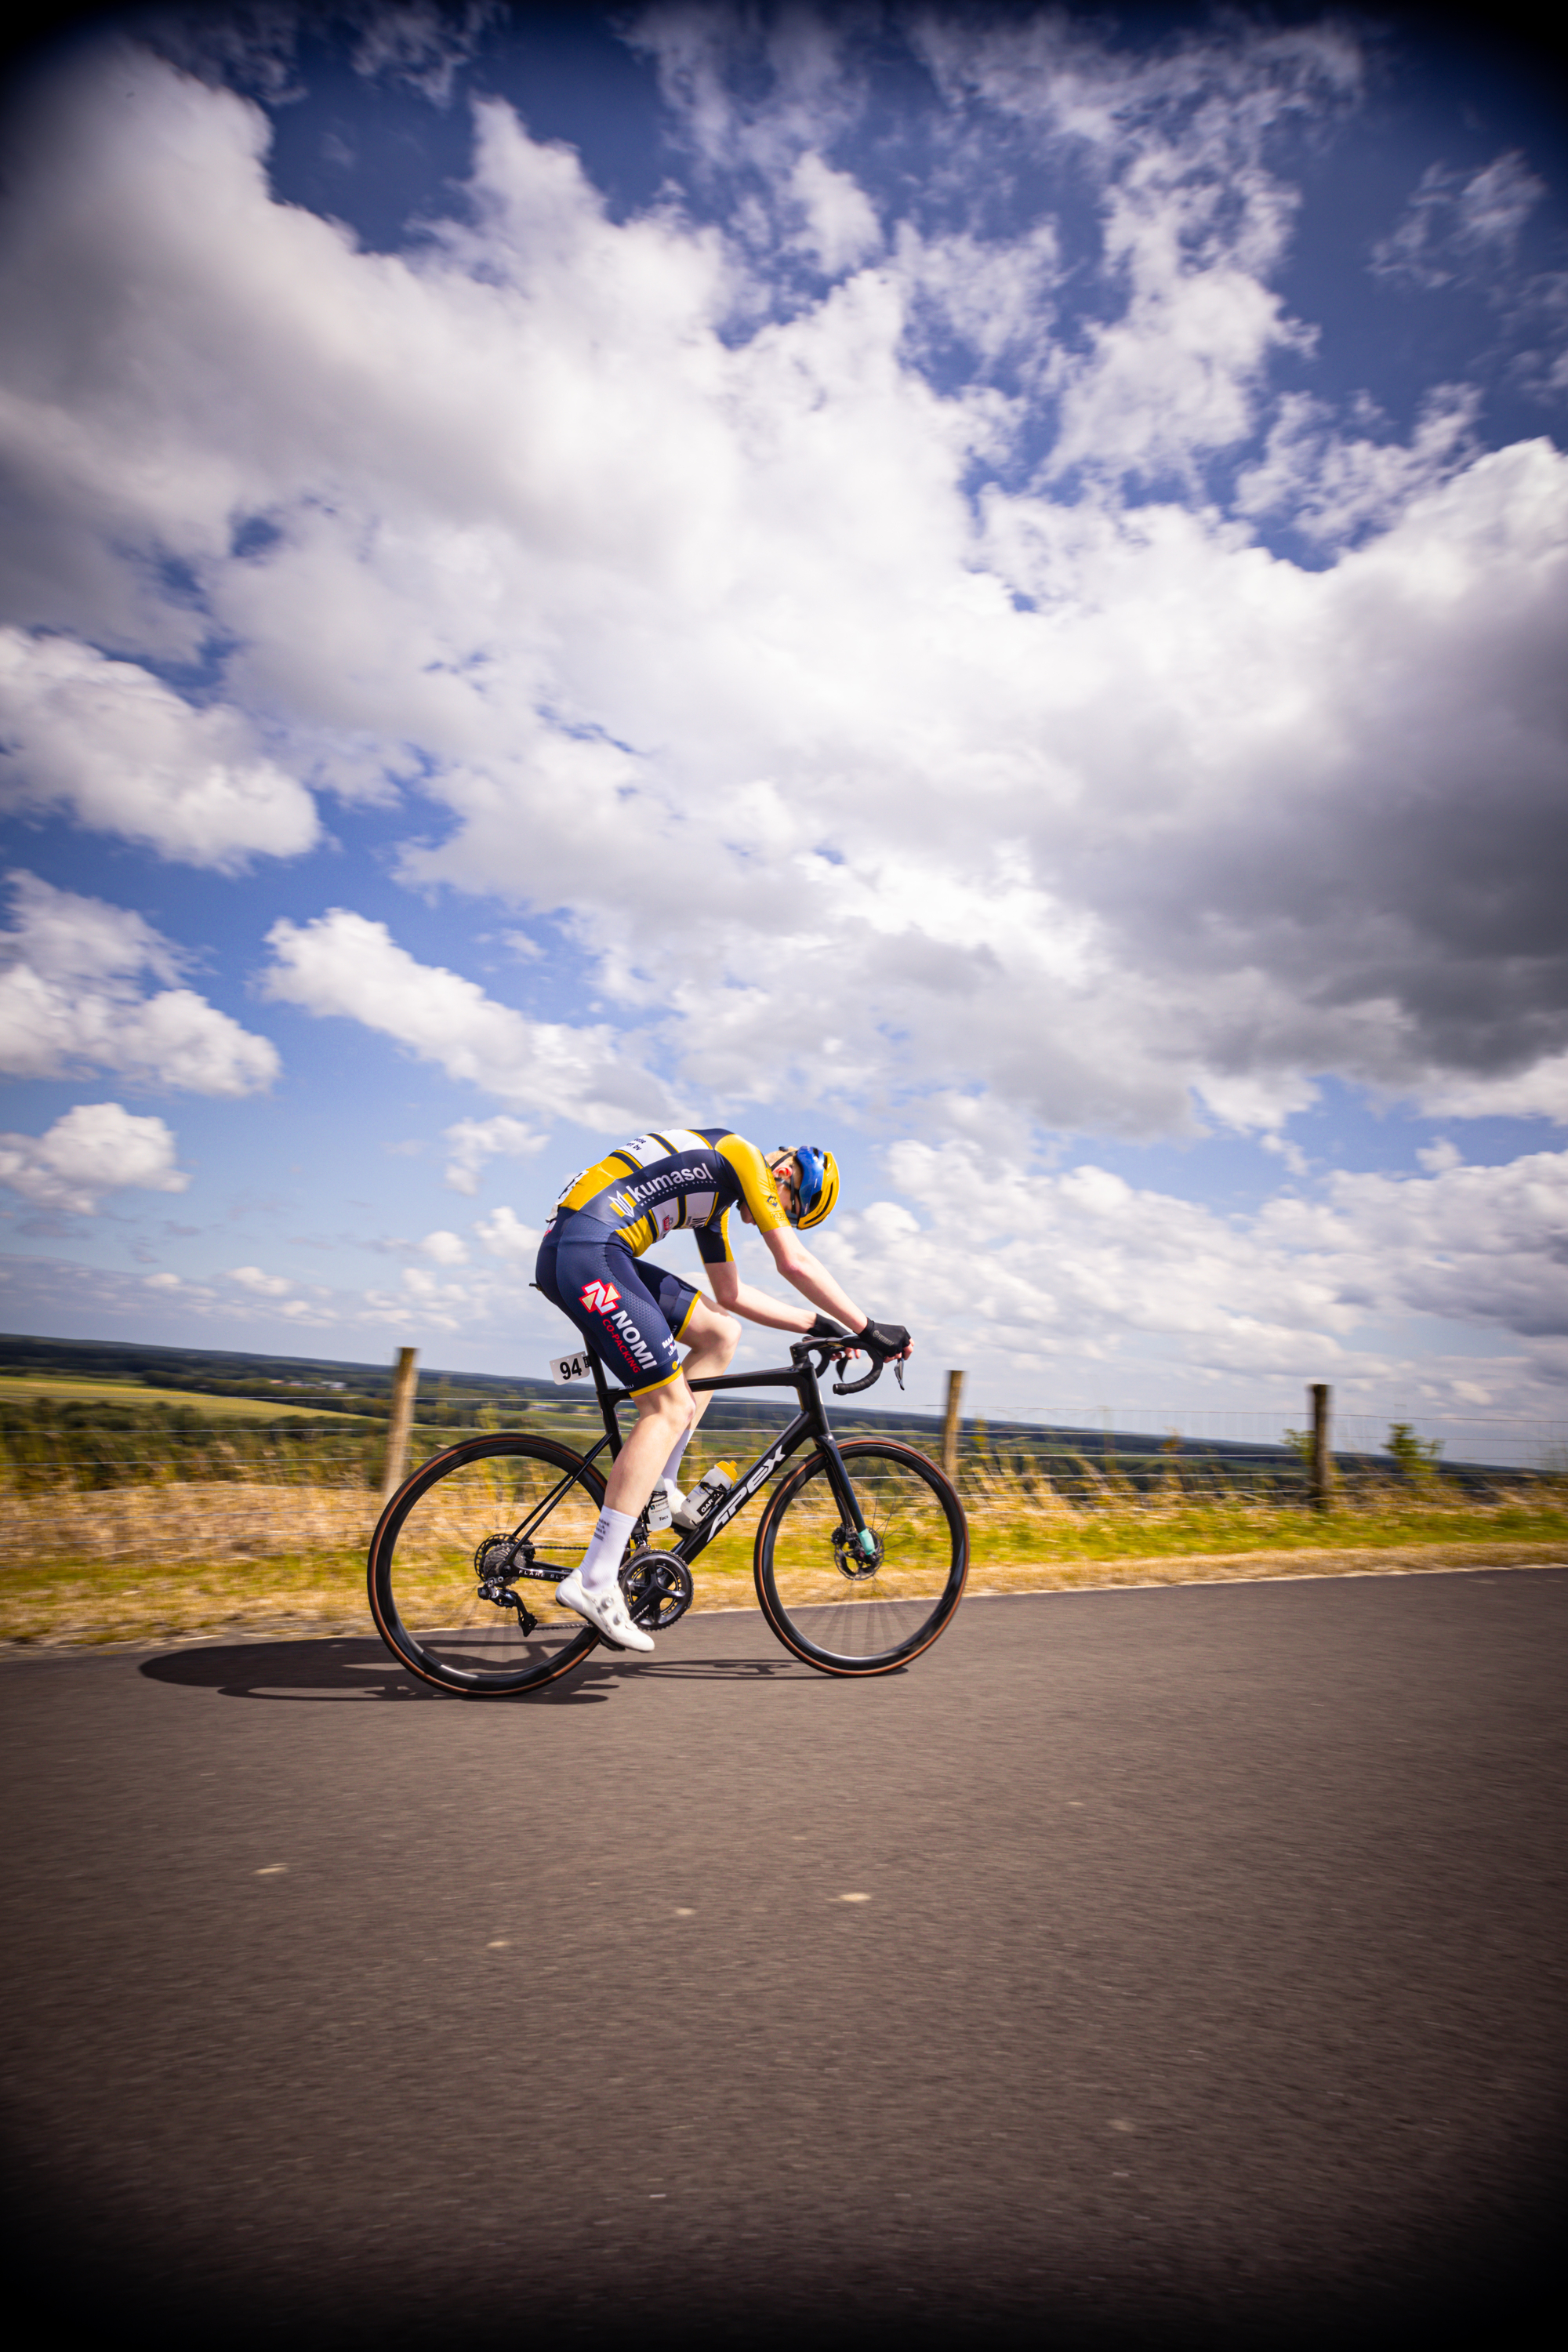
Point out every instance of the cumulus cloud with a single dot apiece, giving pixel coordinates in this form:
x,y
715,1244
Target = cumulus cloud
x,y
345,964
262,1285
1082,803
840,704
1333,485
474,1142
94,1150
504,1235
1078,1268
124,754
444,1248
70,998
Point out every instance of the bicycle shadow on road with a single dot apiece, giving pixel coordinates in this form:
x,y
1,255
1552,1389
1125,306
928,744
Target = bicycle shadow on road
x,y
340,1671
350,1671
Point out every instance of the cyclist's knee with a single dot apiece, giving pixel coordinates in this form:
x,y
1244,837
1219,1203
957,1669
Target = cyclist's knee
x,y
717,1334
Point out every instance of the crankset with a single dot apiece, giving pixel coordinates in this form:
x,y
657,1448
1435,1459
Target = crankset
x,y
658,1586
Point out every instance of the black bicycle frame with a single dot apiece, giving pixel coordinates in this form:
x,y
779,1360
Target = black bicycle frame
x,y
803,1377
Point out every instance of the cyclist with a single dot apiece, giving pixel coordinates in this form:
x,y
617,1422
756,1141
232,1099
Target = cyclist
x,y
633,1313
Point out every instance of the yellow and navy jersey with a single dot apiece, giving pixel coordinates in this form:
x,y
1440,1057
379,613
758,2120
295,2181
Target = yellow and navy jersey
x,y
691,1176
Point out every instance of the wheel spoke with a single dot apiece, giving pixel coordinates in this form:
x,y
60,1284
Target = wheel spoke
x,y
829,1605
445,1615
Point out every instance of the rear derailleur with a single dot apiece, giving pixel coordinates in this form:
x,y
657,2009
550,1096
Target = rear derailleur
x,y
495,1563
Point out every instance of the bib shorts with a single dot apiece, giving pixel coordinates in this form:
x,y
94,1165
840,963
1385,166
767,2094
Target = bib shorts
x,y
631,1313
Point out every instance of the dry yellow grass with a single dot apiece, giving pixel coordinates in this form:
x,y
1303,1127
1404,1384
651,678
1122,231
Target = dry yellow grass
x,y
183,1558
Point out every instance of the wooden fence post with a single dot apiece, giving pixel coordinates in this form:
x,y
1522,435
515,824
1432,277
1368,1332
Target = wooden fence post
x,y
405,1381
949,1426
1321,1481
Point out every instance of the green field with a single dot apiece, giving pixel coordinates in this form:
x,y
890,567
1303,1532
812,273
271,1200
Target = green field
x,y
66,1389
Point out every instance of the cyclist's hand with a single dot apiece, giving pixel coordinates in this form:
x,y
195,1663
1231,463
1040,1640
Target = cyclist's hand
x,y
884,1341
824,1327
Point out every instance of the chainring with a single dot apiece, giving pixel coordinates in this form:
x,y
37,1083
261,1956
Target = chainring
x,y
658,1589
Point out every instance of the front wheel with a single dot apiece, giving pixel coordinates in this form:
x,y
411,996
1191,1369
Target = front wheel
x,y
465,1562
840,1606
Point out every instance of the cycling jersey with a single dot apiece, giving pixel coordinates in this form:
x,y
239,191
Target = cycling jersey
x,y
691,1176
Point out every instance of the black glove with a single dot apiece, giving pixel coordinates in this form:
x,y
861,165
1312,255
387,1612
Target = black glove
x,y
824,1327
883,1339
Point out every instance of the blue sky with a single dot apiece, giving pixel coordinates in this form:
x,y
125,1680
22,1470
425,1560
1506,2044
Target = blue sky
x,y
988,590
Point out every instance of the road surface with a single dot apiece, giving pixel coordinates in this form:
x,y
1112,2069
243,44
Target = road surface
x,y
1140,1968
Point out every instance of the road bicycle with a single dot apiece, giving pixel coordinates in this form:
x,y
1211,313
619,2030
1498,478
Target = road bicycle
x,y
860,1558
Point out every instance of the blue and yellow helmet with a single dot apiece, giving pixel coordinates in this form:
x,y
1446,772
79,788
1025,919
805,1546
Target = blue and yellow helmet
x,y
818,1187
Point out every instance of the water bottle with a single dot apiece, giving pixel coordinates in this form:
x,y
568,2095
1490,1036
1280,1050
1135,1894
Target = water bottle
x,y
706,1495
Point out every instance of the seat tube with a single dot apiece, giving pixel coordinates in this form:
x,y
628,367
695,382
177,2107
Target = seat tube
x,y
612,1418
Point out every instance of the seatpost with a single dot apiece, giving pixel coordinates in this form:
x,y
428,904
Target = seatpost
x,y
612,1419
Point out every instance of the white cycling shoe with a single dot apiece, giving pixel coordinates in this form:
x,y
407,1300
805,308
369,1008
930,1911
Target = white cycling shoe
x,y
606,1609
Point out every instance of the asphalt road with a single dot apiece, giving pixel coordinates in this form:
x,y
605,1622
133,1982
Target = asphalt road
x,y
1162,1967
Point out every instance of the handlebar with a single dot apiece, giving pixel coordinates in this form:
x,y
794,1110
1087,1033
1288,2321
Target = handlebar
x,y
836,1352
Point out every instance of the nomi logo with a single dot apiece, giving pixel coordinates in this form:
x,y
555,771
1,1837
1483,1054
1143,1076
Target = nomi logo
x,y
633,1340
598,1298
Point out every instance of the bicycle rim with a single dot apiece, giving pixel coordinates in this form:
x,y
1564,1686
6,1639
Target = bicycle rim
x,y
425,1588
822,1600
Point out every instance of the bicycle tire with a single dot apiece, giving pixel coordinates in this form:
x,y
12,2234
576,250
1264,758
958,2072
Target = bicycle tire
x,y
834,1609
427,1593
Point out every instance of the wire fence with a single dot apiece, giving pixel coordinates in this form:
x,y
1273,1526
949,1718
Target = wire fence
x,y
1496,1442
159,1495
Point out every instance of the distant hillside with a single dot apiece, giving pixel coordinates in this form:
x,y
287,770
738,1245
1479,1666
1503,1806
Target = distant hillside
x,y
446,1399
453,1399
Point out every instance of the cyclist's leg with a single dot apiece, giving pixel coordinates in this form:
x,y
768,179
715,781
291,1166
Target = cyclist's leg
x,y
595,1280
709,1337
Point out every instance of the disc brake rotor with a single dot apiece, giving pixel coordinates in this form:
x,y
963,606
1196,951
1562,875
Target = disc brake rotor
x,y
854,1560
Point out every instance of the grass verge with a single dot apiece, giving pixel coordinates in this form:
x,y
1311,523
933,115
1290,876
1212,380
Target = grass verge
x,y
172,1564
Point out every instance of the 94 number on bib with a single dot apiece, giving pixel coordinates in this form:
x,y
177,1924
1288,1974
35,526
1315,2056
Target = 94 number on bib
x,y
571,1368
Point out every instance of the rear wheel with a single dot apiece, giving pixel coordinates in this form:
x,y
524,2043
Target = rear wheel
x,y
465,1561
841,1607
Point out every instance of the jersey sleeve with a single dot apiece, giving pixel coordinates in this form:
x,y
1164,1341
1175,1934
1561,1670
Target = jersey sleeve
x,y
756,1182
713,1241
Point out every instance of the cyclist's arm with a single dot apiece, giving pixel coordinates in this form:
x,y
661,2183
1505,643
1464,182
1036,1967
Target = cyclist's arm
x,y
798,1266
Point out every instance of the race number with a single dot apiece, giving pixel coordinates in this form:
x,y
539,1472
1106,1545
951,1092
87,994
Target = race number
x,y
571,1368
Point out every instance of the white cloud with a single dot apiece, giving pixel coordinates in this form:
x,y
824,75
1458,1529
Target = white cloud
x,y
505,1237
444,1248
1254,1105
1454,228
70,999
473,1141
1080,1269
840,224
94,1150
263,1285
344,964
1332,486
1540,1092
107,740
680,596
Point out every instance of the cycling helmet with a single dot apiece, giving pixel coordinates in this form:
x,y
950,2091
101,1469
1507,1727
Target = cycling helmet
x,y
818,1187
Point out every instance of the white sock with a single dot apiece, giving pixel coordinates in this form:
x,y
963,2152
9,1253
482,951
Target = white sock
x,y
599,1563
672,1467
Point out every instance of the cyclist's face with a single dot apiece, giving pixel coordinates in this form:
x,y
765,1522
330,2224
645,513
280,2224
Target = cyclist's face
x,y
787,1187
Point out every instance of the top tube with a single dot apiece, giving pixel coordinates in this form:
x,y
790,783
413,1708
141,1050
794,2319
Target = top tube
x,y
788,1376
